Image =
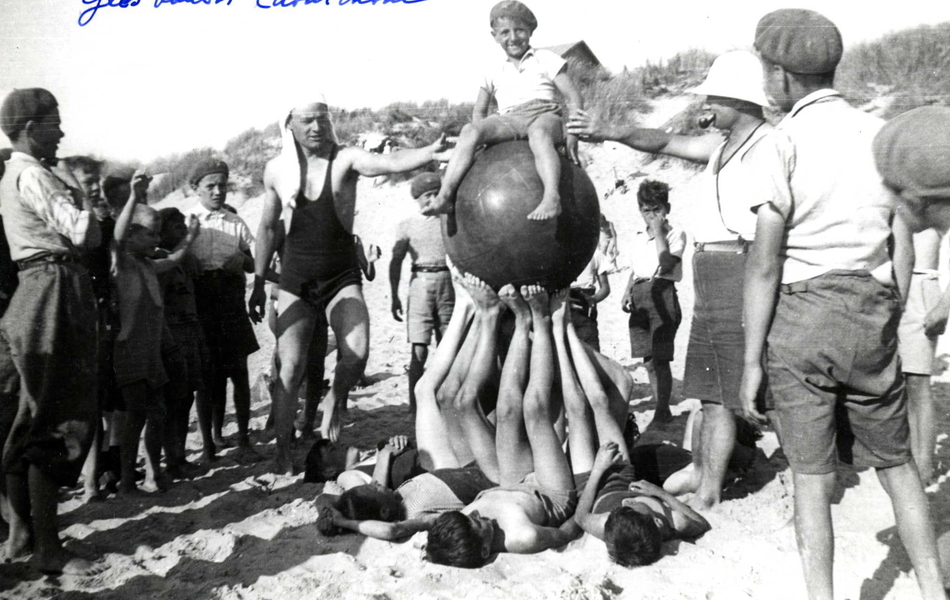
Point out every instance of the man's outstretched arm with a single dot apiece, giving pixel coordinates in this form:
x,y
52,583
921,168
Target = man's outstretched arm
x,y
369,164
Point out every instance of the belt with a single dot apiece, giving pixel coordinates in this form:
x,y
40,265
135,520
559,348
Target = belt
x,y
43,259
427,269
739,246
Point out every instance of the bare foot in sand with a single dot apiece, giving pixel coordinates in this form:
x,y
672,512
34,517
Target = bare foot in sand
x,y
484,297
246,454
62,561
537,298
156,485
549,208
512,299
18,545
661,416
701,503
283,465
91,495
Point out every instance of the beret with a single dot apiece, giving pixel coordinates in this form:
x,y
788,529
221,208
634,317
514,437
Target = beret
x,y
208,166
912,152
424,182
513,9
22,106
802,41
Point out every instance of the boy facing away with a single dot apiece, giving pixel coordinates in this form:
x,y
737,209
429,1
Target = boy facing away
x,y
524,87
651,292
821,305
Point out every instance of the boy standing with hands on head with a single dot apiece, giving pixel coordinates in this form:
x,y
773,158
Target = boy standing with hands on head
x,y
822,304
651,292
525,87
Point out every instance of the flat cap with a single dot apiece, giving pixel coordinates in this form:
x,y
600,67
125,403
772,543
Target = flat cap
x,y
22,106
512,9
912,152
424,182
802,41
208,166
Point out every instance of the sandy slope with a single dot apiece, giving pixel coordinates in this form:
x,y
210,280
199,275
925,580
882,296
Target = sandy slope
x,y
240,533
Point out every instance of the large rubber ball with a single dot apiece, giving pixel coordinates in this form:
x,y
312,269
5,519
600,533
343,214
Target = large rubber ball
x,y
490,236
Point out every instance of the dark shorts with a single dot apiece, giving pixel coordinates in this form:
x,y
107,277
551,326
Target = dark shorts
x,y
715,355
519,119
319,284
431,300
186,360
654,318
834,373
140,397
219,297
584,317
49,333
649,462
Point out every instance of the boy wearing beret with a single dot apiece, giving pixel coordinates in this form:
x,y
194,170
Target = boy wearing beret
x,y
48,332
821,302
525,87
431,295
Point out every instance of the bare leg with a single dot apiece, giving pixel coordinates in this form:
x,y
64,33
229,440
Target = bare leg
x,y
511,440
417,364
349,320
242,404
922,417
316,369
219,404
543,134
90,469
209,449
49,555
488,131
478,431
661,380
686,480
815,532
20,540
550,463
133,424
582,439
294,330
718,438
916,529
609,427
435,448
154,434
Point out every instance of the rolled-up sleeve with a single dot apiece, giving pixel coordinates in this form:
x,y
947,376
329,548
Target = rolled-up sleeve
x,y
53,204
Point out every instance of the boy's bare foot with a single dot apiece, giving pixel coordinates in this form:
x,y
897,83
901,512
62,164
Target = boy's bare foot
x,y
484,297
64,562
549,208
283,465
220,442
18,545
208,456
560,313
156,485
537,298
662,415
438,205
245,454
701,503
330,426
512,299
91,495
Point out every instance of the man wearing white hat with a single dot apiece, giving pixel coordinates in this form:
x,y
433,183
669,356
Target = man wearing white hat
x,y
714,359
311,185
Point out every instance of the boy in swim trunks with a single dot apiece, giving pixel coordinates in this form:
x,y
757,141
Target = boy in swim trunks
x,y
524,86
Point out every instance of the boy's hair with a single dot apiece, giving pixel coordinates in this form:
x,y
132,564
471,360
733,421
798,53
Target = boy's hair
x,y
632,538
146,217
22,106
653,193
512,9
84,164
317,471
367,502
453,542
116,190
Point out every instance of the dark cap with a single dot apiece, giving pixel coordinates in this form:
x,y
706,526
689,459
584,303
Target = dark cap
x,y
912,152
513,9
802,41
22,106
424,182
208,166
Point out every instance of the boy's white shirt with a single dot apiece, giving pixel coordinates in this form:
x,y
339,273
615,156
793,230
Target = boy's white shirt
x,y
533,79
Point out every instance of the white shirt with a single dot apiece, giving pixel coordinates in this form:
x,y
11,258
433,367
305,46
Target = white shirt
x,y
531,79
817,170
724,209
222,235
644,258
590,276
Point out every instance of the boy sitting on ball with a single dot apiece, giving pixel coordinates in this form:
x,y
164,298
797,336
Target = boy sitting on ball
x,y
524,86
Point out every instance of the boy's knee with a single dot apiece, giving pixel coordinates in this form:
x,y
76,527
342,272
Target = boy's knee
x,y
537,409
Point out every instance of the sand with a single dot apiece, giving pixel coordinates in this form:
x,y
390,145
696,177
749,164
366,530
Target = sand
x,y
240,533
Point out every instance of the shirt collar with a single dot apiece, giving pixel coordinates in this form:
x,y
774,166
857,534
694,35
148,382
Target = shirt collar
x,y
810,99
527,54
205,214
27,158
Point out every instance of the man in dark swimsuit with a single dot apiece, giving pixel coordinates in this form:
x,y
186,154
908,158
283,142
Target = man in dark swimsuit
x,y
313,183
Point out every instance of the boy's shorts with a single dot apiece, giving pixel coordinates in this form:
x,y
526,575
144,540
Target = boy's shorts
x,y
431,300
557,505
835,375
716,353
139,396
917,350
654,318
519,119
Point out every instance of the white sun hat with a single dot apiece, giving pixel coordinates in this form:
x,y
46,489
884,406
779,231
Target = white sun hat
x,y
736,74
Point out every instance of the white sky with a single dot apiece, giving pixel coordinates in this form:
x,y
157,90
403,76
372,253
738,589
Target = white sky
x,y
142,81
